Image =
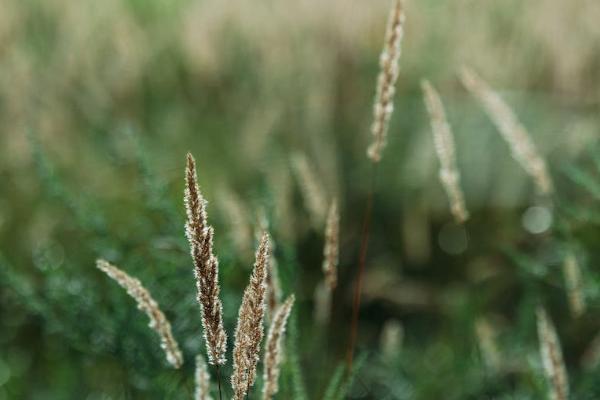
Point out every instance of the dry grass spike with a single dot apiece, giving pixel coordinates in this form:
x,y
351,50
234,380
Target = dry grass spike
x,y
513,132
444,147
391,338
311,188
274,349
552,359
206,271
331,248
249,331
322,300
145,302
572,273
386,81
202,378
486,336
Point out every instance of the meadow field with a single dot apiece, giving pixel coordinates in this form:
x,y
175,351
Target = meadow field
x,y
416,231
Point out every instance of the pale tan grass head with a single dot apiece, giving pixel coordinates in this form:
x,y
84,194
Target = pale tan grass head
x,y
591,356
444,147
322,301
392,336
552,358
202,391
486,336
237,216
274,349
273,288
249,331
311,188
331,248
574,285
145,302
386,81
206,267
514,133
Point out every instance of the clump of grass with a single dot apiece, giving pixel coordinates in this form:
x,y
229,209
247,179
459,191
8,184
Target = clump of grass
x,y
147,304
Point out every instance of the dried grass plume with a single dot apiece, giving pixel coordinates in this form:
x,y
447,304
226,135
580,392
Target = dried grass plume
x,y
552,359
147,304
249,331
322,300
444,147
202,378
513,132
274,349
311,188
486,336
206,271
331,248
574,284
384,97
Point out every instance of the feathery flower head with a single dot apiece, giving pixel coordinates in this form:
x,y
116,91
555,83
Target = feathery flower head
x,y
386,81
202,378
444,147
147,304
206,271
513,132
249,331
331,248
274,349
552,358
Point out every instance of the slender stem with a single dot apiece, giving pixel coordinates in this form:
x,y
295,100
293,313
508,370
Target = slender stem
x,y
219,380
364,246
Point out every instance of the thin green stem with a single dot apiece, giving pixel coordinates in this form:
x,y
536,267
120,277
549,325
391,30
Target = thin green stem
x,y
364,246
219,381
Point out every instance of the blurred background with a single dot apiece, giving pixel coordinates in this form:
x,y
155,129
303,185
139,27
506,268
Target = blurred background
x,y
100,101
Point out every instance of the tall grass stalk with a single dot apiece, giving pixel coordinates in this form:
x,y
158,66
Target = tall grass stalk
x,y
382,113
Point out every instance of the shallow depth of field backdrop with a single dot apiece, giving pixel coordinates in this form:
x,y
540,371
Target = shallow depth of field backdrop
x,y
101,100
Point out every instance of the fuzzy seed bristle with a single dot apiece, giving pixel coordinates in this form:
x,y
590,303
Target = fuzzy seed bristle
x,y
206,271
386,81
274,349
249,330
444,146
147,304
